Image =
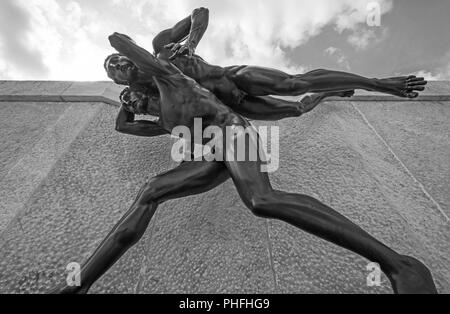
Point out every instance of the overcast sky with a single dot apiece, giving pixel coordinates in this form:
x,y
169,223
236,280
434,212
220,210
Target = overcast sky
x,y
67,39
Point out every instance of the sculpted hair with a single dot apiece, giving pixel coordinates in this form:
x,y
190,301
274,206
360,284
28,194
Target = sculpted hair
x,y
123,94
125,99
105,65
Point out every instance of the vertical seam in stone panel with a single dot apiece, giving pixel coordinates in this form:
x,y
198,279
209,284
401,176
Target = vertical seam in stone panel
x,y
421,186
270,251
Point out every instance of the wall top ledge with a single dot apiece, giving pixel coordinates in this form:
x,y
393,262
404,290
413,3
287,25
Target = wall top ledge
x,y
108,92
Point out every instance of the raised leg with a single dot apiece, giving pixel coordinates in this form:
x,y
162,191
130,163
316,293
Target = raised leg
x,y
258,81
407,275
266,108
187,179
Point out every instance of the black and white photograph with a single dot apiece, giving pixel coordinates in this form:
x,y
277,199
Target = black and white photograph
x,y
224,154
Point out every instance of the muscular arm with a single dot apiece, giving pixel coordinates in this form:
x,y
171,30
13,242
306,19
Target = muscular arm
x,y
192,27
148,65
126,124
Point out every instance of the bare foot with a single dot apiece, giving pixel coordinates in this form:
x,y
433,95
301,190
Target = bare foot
x,y
64,289
413,278
403,86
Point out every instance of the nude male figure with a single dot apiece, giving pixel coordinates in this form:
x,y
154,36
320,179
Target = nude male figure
x,y
139,102
246,88
181,100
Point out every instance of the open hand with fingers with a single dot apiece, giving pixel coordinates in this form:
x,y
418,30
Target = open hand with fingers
x,y
179,49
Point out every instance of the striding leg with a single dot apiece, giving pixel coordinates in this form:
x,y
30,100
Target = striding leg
x,y
406,274
259,81
187,179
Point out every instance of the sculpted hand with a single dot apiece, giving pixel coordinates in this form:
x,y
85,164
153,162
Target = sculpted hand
x,y
180,49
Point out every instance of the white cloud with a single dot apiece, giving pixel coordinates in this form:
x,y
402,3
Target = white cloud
x,y
428,75
339,57
441,74
363,38
14,48
255,32
356,12
71,36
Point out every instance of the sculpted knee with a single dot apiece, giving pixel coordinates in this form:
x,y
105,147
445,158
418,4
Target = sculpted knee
x,y
261,206
294,86
318,71
301,86
148,193
243,76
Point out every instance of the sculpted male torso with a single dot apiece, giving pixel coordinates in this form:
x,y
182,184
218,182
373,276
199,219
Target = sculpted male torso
x,y
181,98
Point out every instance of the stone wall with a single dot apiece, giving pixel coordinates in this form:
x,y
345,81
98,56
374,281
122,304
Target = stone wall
x,y
67,177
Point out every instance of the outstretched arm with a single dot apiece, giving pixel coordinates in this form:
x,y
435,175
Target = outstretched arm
x,y
148,65
126,124
191,28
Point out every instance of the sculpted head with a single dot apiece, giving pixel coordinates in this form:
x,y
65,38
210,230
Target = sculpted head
x,y
144,101
120,69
